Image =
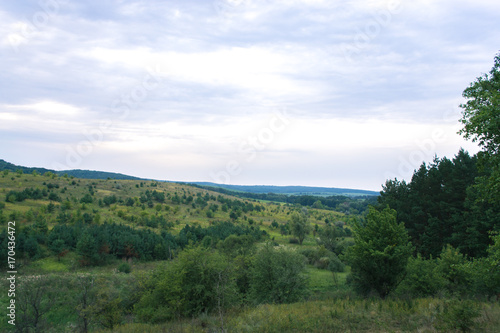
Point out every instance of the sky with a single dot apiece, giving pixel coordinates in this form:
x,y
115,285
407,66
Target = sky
x,y
256,92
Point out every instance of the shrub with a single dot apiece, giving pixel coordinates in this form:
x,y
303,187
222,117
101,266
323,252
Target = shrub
x,y
459,315
277,276
323,262
124,268
198,281
335,265
422,278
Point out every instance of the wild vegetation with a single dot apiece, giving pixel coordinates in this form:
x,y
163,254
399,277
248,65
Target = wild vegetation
x,y
146,256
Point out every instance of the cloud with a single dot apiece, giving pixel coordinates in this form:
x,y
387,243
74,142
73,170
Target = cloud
x,y
182,84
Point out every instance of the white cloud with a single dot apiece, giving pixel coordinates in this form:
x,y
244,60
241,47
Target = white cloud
x,y
224,72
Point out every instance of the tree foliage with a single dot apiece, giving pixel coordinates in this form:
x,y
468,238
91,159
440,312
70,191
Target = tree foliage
x,y
380,253
442,206
278,276
481,120
300,228
199,280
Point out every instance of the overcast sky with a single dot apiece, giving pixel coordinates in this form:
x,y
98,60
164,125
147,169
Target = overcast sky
x,y
291,92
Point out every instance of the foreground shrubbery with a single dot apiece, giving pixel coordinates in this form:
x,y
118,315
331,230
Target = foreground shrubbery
x,y
203,280
344,315
452,273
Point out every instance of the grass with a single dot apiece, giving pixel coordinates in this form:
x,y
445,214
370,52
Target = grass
x,y
52,265
333,315
321,280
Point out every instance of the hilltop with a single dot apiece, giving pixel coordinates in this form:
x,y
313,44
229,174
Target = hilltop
x,y
252,189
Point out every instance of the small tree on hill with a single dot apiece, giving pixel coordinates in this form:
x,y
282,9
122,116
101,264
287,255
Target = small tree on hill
x,y
300,228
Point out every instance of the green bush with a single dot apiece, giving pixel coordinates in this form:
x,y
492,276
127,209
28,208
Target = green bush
x,y
453,266
277,276
422,279
459,315
124,268
335,265
199,280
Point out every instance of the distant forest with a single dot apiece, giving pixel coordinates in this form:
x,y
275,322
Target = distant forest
x,y
84,174
340,203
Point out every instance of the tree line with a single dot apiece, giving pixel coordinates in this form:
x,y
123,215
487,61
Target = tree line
x,y
98,244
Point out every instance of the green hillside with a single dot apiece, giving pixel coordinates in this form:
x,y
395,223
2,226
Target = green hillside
x,y
88,174
149,256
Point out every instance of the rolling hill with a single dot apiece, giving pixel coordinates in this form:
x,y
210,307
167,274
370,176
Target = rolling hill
x,y
258,189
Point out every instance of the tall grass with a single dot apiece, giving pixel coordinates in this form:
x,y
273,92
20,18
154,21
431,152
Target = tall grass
x,y
335,315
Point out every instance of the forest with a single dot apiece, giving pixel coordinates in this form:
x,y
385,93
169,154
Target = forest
x,y
132,255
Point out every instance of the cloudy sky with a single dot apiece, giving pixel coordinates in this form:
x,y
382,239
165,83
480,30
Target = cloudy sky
x,y
283,92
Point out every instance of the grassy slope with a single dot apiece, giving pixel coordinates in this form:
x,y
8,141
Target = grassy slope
x,y
74,189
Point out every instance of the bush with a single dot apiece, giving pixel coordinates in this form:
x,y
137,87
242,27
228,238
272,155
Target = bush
x,y
322,263
124,268
452,265
277,276
335,265
458,314
198,281
422,279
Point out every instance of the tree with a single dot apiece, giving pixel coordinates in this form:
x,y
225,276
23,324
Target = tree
x,y
105,309
58,246
329,237
87,248
380,254
277,276
35,296
439,207
299,226
84,299
481,120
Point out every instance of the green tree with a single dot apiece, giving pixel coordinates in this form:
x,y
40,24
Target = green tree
x,y
35,295
85,297
438,206
380,254
481,120
277,276
106,309
300,228
329,237
31,247
59,248
87,249
453,267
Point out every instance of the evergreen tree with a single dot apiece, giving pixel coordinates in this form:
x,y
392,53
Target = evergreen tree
x,y
87,249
